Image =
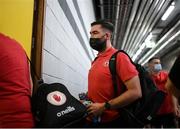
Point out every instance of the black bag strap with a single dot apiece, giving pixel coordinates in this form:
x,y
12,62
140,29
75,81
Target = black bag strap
x,y
112,68
40,80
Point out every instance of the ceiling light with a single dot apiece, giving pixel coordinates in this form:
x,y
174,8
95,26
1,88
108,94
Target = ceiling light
x,y
148,37
168,12
150,44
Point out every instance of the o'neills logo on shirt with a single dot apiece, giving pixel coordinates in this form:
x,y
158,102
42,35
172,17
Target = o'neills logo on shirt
x,y
66,111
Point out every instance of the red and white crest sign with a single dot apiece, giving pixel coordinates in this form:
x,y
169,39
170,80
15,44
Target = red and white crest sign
x,y
56,98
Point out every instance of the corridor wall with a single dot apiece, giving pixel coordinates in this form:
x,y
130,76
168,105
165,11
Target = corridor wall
x,y
67,55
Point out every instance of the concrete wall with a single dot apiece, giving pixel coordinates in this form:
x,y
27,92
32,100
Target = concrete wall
x,y
67,55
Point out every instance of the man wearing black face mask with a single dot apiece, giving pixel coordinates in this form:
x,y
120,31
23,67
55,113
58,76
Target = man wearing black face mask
x,y
98,44
100,84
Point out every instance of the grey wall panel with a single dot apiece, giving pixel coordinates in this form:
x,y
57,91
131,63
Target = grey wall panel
x,y
67,55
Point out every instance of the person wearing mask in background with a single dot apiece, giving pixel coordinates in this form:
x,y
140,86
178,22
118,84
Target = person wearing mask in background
x,y
100,84
165,116
15,86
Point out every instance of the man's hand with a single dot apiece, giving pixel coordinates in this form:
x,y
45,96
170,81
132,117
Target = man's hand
x,y
177,111
176,106
96,109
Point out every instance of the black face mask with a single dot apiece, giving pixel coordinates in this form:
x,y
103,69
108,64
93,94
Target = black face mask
x,y
98,44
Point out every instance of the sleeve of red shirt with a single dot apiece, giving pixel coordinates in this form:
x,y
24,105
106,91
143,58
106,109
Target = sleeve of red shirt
x,y
125,69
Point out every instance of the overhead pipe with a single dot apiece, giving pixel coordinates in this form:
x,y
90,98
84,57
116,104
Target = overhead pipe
x,y
159,15
109,7
131,19
161,42
163,45
149,29
135,24
113,10
102,9
167,35
139,26
124,23
116,22
146,21
144,32
120,20
153,20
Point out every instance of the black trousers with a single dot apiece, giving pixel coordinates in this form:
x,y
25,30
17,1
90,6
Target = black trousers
x,y
165,120
117,123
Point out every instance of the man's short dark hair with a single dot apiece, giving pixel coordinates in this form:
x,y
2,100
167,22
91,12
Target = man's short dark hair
x,y
155,57
105,24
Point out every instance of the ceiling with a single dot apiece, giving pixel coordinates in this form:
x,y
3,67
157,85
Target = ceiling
x,y
135,20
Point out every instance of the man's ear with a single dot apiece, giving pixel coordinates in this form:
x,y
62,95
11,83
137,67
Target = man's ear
x,y
108,35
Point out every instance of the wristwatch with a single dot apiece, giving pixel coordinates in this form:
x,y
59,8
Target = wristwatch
x,y
107,105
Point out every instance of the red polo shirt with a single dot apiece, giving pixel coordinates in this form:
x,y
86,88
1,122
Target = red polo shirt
x,y
100,85
160,81
15,88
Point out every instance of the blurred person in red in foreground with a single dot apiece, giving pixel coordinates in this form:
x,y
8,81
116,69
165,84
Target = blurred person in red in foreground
x,y
15,85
